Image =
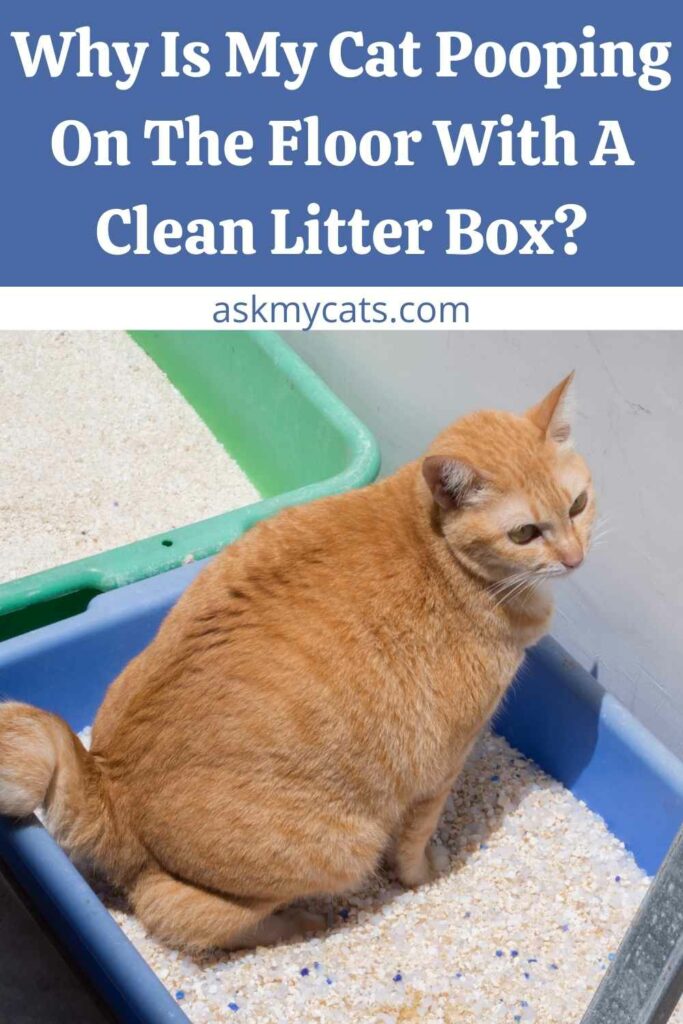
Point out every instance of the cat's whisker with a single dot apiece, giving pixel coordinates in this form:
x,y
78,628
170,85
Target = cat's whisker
x,y
507,585
510,581
602,527
516,589
535,584
528,581
529,592
507,581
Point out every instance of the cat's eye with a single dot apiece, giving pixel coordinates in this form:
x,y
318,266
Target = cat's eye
x,y
579,504
524,534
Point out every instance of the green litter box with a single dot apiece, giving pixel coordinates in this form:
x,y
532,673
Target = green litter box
x,y
291,435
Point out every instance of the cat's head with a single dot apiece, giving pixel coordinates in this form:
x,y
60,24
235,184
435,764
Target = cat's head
x,y
511,494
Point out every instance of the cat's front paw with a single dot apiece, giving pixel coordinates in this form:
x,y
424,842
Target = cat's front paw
x,y
432,863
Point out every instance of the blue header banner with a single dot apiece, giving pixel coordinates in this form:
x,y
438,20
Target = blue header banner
x,y
434,144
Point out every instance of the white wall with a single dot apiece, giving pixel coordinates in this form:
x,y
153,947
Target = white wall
x,y
621,615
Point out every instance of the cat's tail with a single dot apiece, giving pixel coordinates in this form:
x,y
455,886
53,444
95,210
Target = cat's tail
x,y
44,764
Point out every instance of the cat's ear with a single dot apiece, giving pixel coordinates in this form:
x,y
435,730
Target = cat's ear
x,y
554,414
453,482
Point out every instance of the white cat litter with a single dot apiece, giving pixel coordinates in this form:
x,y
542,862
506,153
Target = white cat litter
x,y
520,927
98,449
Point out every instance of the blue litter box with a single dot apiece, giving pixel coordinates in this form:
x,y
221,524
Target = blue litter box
x,y
556,714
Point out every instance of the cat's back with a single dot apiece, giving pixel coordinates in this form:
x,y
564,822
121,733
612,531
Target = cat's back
x,y
264,605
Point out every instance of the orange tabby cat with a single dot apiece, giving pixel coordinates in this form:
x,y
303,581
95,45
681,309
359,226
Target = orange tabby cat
x,y
307,705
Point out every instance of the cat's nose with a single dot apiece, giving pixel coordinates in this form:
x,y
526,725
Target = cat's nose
x,y
572,560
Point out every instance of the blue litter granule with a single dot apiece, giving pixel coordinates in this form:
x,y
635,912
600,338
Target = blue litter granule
x,y
617,878
180,994
611,956
316,965
527,975
483,846
344,914
234,1007
398,976
517,1016
523,1002
532,960
514,953
467,914
565,927
553,967
458,974
495,778
304,972
328,981
499,952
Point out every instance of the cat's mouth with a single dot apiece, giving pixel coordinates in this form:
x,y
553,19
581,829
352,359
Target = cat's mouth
x,y
567,570
558,571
